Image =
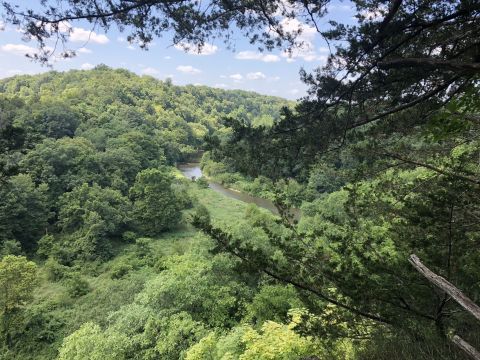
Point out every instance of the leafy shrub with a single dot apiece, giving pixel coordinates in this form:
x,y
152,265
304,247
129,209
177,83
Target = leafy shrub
x,y
120,270
183,197
11,247
229,179
212,168
77,286
90,342
202,182
46,245
129,236
143,247
201,216
54,270
43,324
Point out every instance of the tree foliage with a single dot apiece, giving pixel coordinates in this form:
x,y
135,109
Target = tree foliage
x,y
155,207
88,217
17,279
383,153
23,211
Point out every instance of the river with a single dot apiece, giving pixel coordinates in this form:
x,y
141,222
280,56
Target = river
x,y
193,169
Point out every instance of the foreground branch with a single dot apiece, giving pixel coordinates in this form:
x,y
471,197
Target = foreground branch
x,y
466,347
446,286
433,168
472,67
457,295
223,238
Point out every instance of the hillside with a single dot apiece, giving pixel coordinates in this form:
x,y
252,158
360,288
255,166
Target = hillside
x,y
344,225
108,252
95,222
104,98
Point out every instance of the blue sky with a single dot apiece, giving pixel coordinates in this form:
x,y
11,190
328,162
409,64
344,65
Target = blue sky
x,y
270,73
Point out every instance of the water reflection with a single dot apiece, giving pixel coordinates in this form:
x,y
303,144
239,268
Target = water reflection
x,y
190,170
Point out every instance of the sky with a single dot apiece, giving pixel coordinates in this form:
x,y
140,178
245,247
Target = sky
x,y
271,73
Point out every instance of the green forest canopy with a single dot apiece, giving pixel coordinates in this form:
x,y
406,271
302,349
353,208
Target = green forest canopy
x,y
382,158
87,192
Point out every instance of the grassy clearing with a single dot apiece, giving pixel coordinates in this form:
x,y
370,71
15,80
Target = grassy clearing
x,y
223,210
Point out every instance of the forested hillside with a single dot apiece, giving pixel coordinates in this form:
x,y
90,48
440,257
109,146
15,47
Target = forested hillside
x,y
365,243
97,257
101,104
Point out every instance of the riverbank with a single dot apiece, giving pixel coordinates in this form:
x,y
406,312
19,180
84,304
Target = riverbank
x,y
193,171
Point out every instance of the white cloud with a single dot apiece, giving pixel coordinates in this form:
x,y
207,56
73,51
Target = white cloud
x,y
270,58
188,69
207,49
294,91
307,54
121,39
221,85
150,71
82,35
256,76
294,26
131,47
167,57
78,34
252,55
18,49
236,77
87,66
84,51
304,47
374,14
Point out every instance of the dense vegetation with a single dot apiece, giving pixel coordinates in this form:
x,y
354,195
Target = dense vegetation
x,y
99,260
394,190
89,196
99,256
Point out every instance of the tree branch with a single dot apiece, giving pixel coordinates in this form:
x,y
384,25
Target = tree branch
x,y
393,10
219,236
446,286
430,63
466,347
433,168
